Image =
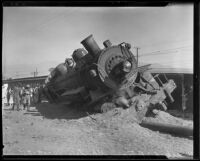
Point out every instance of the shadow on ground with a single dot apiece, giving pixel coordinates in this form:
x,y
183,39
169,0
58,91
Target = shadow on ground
x,y
55,111
32,113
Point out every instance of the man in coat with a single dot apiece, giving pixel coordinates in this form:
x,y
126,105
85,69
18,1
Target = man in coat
x,y
16,97
27,98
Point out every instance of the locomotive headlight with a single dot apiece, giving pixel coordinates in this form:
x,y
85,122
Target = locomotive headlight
x,y
93,73
127,66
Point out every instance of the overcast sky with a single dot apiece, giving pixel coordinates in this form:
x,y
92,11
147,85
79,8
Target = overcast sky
x,y
42,37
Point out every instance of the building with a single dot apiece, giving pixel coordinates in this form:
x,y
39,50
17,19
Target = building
x,y
32,81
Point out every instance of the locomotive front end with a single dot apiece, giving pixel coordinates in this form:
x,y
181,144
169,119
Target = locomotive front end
x,y
115,65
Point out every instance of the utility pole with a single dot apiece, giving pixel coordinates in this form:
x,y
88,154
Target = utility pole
x,y
35,73
17,74
137,48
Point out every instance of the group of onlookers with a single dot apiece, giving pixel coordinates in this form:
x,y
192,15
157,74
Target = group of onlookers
x,y
22,96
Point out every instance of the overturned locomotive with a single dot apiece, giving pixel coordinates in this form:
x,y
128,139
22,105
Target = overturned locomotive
x,y
110,77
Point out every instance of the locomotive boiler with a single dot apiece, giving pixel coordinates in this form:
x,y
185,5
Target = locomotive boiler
x,y
110,77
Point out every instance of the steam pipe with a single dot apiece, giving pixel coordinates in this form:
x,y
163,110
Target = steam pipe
x,y
168,128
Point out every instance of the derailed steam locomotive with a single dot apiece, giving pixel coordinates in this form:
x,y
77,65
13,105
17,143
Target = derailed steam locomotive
x,y
110,77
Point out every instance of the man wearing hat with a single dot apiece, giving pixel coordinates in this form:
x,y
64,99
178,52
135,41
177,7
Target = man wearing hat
x,y
16,97
27,97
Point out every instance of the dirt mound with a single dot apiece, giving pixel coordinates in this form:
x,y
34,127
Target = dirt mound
x,y
119,117
121,126
115,117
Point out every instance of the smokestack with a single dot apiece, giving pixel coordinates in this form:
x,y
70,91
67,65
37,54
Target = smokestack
x,y
91,46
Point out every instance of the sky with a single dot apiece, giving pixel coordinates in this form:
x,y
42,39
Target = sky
x,y
42,37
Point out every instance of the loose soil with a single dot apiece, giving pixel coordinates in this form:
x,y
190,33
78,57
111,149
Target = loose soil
x,y
50,129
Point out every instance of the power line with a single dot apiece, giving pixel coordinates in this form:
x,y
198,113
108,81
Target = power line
x,y
170,43
158,54
159,51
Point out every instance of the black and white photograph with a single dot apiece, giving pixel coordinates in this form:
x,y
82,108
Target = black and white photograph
x,y
98,80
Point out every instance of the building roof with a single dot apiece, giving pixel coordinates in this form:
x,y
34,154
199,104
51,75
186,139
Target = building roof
x,y
25,79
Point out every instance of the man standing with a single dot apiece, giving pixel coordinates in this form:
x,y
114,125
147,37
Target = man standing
x,y
16,97
21,95
27,97
8,96
4,93
31,95
40,93
35,95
